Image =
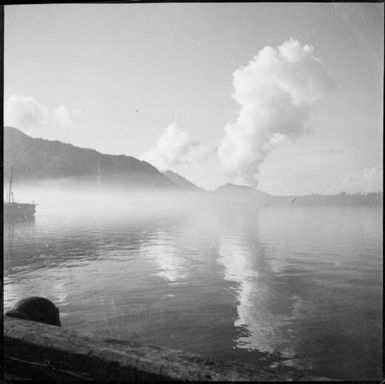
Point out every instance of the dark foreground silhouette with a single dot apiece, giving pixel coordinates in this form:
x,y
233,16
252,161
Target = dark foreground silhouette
x,y
37,309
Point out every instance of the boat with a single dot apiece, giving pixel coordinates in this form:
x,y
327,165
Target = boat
x,y
14,210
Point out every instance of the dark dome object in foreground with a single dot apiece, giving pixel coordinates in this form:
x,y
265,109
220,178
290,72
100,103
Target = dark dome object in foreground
x,y
36,309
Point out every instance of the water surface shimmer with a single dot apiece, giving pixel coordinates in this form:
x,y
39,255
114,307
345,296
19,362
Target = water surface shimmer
x,y
294,286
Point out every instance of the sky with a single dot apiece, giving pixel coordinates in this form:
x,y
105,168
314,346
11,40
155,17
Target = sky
x,y
285,97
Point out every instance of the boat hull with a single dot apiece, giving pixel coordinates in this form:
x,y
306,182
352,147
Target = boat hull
x,y
19,211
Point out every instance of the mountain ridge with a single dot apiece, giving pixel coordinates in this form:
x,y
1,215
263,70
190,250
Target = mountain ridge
x,y
37,158
181,181
236,188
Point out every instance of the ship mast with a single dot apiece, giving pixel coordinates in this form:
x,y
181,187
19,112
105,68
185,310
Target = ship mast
x,y
10,193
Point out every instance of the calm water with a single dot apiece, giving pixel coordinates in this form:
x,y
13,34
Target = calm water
x,y
296,286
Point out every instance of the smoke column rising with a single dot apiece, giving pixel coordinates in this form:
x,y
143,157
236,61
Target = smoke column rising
x,y
277,91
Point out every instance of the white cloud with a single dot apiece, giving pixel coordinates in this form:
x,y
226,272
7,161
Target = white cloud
x,y
361,181
174,148
62,116
24,112
277,91
29,115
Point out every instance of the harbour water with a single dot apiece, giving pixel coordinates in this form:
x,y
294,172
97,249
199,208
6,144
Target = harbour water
x,y
290,286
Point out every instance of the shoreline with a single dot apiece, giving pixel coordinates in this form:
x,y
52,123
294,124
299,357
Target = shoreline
x,y
34,350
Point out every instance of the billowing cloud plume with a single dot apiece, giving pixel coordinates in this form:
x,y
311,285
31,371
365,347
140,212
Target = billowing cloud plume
x,y
29,115
174,148
277,91
361,181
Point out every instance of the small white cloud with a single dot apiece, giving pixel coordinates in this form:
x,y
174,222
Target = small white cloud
x,y
174,148
24,112
33,117
62,116
362,181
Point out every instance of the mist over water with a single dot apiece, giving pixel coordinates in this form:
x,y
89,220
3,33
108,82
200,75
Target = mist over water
x,y
281,286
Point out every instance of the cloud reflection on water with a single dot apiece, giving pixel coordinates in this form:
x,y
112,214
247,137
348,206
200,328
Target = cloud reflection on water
x,y
239,265
160,249
264,309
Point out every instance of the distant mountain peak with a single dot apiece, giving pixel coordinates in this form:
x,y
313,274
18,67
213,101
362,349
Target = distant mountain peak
x,y
229,187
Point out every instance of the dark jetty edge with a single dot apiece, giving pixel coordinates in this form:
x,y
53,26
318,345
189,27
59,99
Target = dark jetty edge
x,y
34,350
